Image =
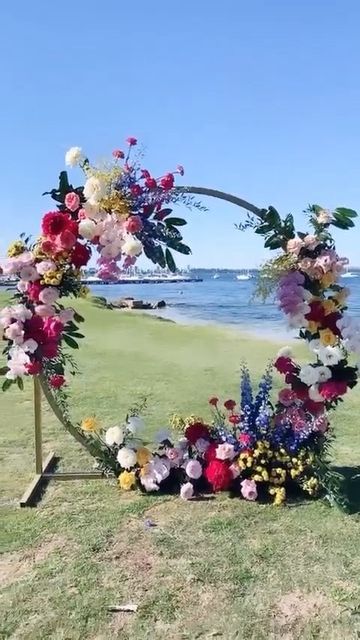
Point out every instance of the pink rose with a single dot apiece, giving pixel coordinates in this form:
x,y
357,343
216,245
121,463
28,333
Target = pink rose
x,y
225,451
186,491
44,310
49,295
133,224
311,242
44,266
294,246
15,333
248,489
193,469
72,201
287,397
29,274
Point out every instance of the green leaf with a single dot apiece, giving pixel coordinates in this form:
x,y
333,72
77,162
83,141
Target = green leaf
x,y
342,222
20,383
3,370
181,248
160,257
349,213
78,317
170,261
273,242
64,186
6,384
272,217
176,222
150,253
70,342
76,334
160,215
263,228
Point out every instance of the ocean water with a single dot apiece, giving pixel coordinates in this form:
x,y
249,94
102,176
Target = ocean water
x,y
225,301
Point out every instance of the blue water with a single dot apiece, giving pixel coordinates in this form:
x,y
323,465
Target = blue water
x,y
225,301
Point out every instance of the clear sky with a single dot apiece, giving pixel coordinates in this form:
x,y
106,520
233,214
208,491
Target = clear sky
x,y
257,97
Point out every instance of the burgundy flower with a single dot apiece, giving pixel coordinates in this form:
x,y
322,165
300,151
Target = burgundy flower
x,y
131,141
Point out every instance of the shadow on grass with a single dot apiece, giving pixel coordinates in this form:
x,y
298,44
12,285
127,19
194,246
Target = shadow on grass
x,y
351,486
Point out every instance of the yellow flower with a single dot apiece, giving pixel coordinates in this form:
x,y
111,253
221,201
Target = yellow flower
x,y
16,249
127,480
329,306
143,455
327,337
265,475
84,292
245,461
313,326
257,477
90,424
280,496
328,279
53,277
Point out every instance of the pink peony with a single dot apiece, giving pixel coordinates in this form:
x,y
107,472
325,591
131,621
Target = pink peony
x,y
193,469
29,274
44,266
248,489
49,295
53,328
225,451
287,397
44,310
72,201
186,491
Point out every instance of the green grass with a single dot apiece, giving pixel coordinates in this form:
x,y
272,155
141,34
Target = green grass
x,y
220,568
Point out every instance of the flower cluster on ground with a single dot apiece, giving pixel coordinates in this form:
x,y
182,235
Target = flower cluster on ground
x,y
121,211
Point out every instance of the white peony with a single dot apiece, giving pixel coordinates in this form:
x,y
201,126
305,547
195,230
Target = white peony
x,y
132,247
330,355
308,375
314,394
314,345
126,458
29,345
73,156
114,435
324,373
135,424
87,229
94,190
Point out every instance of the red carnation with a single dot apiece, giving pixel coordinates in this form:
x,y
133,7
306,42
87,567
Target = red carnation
x,y
150,183
33,291
230,405
218,475
117,153
34,329
133,224
50,350
80,255
57,381
33,368
54,223
332,389
167,182
196,431
131,141
316,313
284,365
213,401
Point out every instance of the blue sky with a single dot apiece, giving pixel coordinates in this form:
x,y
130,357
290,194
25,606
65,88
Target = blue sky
x,y
259,97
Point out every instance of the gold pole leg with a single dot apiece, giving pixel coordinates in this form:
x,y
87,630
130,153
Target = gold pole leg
x,y
38,434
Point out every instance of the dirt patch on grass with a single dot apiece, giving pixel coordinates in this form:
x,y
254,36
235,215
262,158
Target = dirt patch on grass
x,y
296,609
14,566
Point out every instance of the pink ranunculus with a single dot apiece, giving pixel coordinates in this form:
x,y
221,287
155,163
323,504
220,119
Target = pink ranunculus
x,y
287,397
53,328
186,491
332,389
57,381
72,201
225,451
248,489
49,295
244,439
193,469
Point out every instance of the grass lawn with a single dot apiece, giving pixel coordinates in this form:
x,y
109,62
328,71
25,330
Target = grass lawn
x,y
221,568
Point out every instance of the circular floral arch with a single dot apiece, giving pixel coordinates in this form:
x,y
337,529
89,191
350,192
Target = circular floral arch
x,y
254,447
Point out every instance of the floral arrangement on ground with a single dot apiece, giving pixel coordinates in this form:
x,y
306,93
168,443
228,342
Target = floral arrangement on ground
x,y
257,449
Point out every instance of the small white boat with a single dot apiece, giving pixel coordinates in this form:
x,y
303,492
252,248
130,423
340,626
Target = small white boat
x,y
348,274
216,276
243,276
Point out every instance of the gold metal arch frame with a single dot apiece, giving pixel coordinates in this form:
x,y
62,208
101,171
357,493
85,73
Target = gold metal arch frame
x,y
45,467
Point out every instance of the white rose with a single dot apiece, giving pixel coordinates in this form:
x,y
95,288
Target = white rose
x,y
87,229
94,190
330,355
308,375
132,247
126,458
324,373
73,156
135,424
114,435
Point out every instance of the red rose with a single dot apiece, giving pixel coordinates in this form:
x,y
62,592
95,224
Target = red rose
x,y
316,313
57,381
54,223
131,141
33,368
218,475
301,390
234,419
50,350
53,328
332,389
33,291
284,365
210,453
133,224
167,182
136,190
196,431
80,255
117,153
150,183
214,401
230,405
